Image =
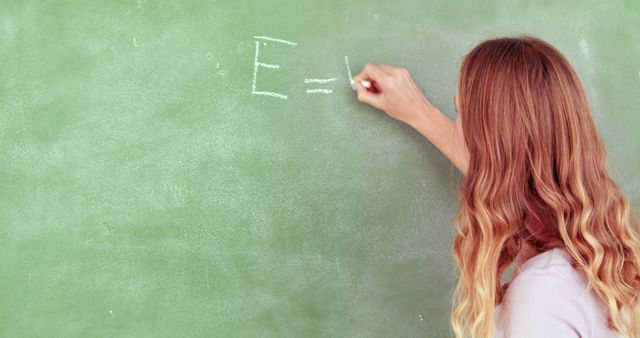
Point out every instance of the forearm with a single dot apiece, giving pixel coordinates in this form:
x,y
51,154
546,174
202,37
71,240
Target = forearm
x,y
441,131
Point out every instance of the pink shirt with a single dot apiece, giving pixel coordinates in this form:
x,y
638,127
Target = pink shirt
x,y
547,297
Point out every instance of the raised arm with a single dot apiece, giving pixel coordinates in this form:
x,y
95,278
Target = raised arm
x,y
394,91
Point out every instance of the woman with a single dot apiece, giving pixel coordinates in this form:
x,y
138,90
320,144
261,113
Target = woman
x,y
536,193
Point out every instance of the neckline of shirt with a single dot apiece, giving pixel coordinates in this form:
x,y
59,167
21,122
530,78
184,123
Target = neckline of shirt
x,y
547,255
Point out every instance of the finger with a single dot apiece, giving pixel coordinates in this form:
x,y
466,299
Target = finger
x,y
385,68
365,96
396,72
375,77
371,72
362,76
375,73
388,69
359,77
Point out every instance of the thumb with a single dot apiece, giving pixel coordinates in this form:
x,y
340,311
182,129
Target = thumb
x,y
365,96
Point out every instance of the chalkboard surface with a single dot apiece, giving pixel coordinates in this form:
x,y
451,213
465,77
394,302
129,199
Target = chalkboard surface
x,y
202,168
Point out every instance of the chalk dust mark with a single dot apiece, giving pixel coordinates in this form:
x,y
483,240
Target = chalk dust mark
x,y
403,24
108,227
585,48
206,268
135,44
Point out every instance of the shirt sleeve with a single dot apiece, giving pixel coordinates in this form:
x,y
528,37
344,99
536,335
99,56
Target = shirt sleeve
x,y
542,304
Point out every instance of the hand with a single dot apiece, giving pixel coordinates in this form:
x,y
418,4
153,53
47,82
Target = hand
x,y
394,92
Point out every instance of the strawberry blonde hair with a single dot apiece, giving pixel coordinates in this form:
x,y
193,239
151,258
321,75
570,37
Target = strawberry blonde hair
x,y
537,174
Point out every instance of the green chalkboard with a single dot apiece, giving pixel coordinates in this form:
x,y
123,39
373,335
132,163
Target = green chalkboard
x,y
202,168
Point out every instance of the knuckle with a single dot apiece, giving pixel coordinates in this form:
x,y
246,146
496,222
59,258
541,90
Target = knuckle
x,y
402,72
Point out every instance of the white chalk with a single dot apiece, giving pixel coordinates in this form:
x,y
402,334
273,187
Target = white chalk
x,y
366,84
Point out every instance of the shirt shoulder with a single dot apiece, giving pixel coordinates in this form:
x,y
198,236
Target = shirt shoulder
x,y
542,304
548,297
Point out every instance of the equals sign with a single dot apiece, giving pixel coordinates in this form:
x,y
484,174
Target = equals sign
x,y
319,90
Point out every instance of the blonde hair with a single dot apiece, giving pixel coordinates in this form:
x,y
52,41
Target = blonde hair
x,y
537,174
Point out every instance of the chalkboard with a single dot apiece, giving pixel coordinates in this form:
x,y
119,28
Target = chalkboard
x,y
202,168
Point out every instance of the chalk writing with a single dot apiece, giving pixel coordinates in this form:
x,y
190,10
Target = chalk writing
x,y
319,80
319,91
275,40
346,62
257,64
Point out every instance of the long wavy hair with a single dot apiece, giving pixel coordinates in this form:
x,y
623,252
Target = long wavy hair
x,y
537,175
